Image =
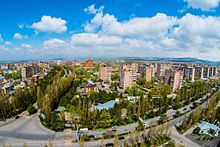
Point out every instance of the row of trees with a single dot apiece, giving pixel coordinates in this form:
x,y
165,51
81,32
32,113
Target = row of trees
x,y
209,112
146,105
49,98
193,91
155,136
23,98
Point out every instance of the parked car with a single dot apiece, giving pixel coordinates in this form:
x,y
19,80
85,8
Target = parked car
x,y
84,130
121,138
192,107
91,136
146,125
114,128
109,144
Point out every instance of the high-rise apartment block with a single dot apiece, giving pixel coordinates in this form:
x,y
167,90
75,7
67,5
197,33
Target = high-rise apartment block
x,y
193,74
177,81
157,70
129,75
104,73
126,79
28,71
164,67
148,74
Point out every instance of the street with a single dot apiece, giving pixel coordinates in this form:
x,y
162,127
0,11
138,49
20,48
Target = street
x,y
28,129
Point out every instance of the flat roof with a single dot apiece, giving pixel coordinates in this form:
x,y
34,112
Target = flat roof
x,y
207,125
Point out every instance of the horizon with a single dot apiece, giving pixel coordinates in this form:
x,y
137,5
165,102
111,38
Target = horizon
x,y
127,59
104,57
184,28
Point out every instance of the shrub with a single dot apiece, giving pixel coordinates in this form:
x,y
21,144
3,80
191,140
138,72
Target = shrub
x,y
31,109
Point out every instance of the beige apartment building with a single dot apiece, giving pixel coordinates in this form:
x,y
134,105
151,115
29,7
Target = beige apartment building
x,y
177,82
104,73
149,74
193,74
127,79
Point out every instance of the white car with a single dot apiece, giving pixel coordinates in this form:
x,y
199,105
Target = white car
x,y
146,125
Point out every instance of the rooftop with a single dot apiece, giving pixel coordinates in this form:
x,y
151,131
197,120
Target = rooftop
x,y
206,125
7,85
107,105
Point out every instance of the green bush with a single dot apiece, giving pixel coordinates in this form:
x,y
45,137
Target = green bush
x,y
31,109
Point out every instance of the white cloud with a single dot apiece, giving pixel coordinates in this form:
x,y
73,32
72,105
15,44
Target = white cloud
x,y
25,45
8,43
160,35
21,26
95,39
198,32
1,39
148,27
205,5
54,43
50,24
92,10
19,36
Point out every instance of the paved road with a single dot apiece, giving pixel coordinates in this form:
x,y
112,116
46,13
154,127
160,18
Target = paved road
x,y
181,139
29,129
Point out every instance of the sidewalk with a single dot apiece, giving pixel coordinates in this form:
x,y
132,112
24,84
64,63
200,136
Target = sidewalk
x,y
7,121
181,139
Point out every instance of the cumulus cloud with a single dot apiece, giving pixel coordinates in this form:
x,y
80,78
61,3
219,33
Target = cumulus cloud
x,y
19,36
92,10
8,43
50,24
160,35
95,39
148,27
198,32
205,5
53,43
25,45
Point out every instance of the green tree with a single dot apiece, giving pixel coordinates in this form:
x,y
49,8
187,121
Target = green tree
x,y
31,109
105,115
116,143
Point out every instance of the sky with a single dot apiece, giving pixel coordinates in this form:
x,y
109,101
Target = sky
x,y
41,29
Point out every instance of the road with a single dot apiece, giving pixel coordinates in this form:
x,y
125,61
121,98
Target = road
x,y
181,139
28,129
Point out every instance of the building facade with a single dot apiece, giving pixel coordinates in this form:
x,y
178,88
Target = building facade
x,y
104,73
177,81
89,63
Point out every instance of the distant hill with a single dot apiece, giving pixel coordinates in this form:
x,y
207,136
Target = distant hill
x,y
154,59
160,59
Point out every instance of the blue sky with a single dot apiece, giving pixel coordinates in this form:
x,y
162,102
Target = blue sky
x,y
32,29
